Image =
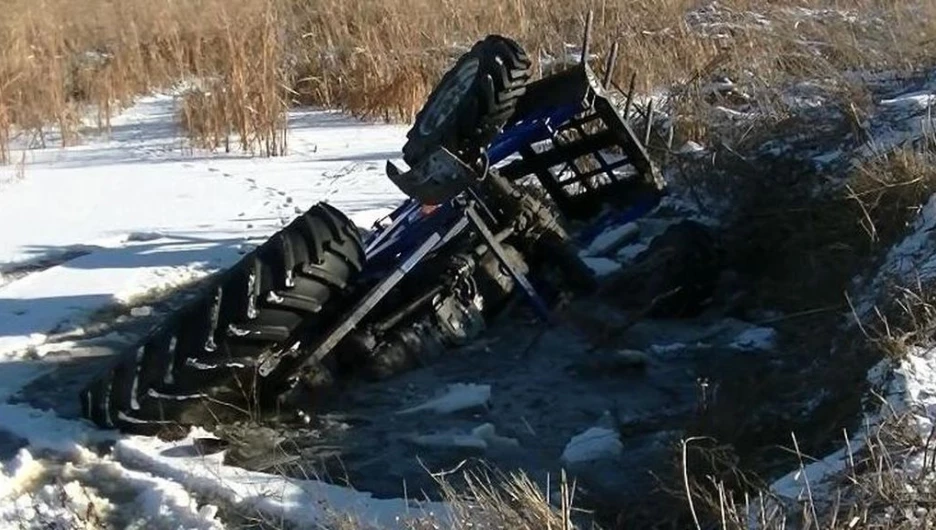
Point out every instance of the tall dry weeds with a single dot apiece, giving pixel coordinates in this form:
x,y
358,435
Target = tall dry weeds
x,y
64,63
881,486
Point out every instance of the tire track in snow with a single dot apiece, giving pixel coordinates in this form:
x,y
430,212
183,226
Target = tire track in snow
x,y
18,271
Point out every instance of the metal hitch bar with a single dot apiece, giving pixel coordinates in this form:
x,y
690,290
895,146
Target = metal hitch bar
x,y
538,304
365,305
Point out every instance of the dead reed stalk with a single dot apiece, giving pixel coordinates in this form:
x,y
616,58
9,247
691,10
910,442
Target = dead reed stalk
x,y
64,64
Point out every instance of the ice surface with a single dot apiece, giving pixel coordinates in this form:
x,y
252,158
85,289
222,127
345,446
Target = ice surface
x,y
630,252
602,266
596,443
757,338
668,348
457,396
480,438
612,239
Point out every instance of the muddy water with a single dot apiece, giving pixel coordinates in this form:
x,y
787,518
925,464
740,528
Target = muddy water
x,y
545,387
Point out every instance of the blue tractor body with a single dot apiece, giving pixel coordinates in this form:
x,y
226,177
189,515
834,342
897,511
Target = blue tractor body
x,y
532,144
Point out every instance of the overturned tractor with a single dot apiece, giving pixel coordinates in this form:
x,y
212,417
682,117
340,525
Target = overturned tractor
x,y
318,301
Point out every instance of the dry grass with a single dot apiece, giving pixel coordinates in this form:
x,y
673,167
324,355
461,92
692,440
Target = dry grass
x,y
880,487
480,498
888,479
63,62
890,190
800,232
497,500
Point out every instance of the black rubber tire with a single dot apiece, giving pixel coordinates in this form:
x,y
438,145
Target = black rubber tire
x,y
200,367
473,118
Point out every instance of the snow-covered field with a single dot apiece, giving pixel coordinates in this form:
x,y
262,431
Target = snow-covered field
x,y
118,217
105,224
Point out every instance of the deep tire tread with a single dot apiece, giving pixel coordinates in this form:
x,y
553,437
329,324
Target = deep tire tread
x,y
505,70
175,377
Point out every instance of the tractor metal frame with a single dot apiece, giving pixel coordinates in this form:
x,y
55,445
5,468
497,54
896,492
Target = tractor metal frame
x,y
566,132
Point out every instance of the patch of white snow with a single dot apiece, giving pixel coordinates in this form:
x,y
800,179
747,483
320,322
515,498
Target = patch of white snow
x,y
612,239
602,266
596,443
758,338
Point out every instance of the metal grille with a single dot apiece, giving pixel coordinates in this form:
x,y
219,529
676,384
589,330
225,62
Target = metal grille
x,y
593,159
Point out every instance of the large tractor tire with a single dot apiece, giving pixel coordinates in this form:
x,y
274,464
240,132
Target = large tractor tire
x,y
472,102
200,368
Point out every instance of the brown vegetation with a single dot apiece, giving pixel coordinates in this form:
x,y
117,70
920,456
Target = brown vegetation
x,y
62,62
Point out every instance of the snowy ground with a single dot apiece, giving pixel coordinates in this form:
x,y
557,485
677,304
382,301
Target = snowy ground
x,y
114,219
89,234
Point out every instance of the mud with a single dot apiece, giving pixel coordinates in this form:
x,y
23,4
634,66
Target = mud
x,y
546,386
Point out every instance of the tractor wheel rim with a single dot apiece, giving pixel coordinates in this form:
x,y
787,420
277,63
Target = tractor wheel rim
x,y
452,93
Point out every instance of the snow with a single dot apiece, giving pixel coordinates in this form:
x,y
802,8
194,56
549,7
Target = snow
x,y
900,120
131,214
912,389
42,429
596,443
757,338
602,266
907,386
612,239
481,438
83,490
910,261
457,396
154,218
814,479
305,503
916,99
18,473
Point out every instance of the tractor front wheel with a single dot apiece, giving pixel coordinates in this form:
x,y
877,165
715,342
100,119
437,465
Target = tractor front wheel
x,y
472,102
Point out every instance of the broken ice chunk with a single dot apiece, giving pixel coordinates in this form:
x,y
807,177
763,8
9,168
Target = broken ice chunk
x,y
759,338
458,396
597,443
